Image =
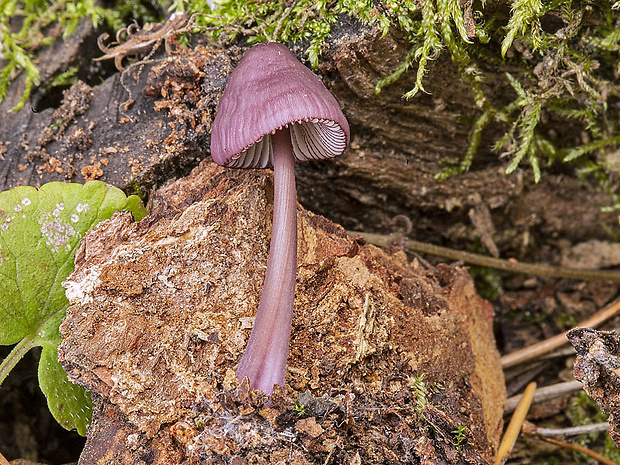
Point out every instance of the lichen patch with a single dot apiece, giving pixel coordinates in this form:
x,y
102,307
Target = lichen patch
x,y
57,233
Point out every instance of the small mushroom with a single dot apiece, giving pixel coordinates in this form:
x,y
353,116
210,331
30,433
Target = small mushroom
x,y
275,111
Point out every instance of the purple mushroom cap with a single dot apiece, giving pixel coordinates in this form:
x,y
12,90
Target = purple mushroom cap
x,y
267,91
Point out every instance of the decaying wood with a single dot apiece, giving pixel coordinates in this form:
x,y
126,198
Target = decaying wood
x,y
161,312
598,368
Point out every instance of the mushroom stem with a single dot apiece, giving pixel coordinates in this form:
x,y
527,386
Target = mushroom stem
x,y
264,359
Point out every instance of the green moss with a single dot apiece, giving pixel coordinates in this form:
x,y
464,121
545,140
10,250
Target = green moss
x,y
27,26
488,282
563,57
459,436
582,410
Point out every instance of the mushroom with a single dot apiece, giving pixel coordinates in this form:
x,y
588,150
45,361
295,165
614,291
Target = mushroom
x,y
273,112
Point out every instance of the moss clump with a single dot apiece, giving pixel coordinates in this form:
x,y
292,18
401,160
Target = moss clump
x,y
563,57
27,26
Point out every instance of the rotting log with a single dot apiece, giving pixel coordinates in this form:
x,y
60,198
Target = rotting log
x,y
388,358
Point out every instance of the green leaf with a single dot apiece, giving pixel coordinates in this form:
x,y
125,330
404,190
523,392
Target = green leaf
x,y
69,403
40,231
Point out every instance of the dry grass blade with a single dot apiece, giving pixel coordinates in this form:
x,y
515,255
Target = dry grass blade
x,y
514,427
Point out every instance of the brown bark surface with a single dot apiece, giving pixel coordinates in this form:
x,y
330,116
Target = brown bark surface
x,y
161,312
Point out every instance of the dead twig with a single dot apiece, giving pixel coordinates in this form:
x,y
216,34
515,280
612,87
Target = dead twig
x,y
544,393
542,347
533,430
573,430
512,265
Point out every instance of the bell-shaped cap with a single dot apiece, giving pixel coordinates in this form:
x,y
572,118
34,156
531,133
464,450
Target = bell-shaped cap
x,y
268,90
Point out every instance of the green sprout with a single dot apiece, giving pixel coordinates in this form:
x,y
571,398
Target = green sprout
x,y
300,410
459,436
421,391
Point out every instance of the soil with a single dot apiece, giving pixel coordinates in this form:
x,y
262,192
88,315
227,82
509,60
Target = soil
x,y
150,125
